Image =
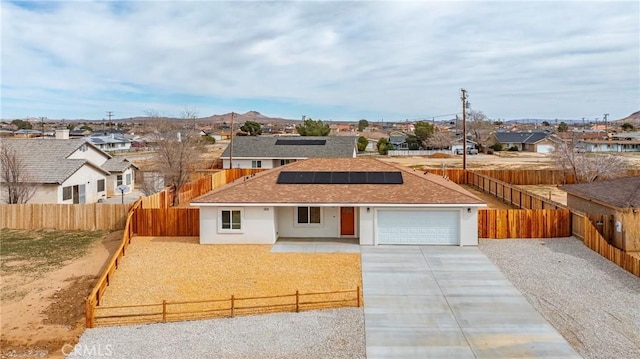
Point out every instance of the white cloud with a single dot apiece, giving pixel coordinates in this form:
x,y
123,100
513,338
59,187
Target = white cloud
x,y
406,59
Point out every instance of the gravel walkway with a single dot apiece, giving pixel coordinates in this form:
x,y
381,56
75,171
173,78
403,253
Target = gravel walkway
x,y
335,333
592,302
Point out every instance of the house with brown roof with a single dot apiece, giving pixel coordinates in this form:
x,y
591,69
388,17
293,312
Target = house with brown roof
x,y
359,198
618,200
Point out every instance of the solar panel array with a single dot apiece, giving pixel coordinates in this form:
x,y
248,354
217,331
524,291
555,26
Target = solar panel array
x,y
301,142
286,177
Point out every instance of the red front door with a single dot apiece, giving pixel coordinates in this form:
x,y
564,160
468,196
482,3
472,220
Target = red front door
x,y
347,221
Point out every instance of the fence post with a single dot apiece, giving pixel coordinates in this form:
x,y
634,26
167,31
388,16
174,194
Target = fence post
x,y
233,305
164,311
88,312
358,294
297,301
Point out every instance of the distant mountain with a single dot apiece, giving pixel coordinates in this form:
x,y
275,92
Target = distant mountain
x,y
633,119
244,117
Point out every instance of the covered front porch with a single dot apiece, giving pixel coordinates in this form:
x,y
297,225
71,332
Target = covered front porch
x,y
316,245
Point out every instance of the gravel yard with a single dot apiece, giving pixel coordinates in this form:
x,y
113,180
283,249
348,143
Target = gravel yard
x,y
333,333
180,269
592,302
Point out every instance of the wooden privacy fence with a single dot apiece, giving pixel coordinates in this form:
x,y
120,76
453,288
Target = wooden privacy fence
x,y
191,190
522,223
515,177
594,240
103,281
511,194
66,217
217,308
172,222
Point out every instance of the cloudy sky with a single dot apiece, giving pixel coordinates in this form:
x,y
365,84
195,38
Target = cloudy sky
x,y
326,60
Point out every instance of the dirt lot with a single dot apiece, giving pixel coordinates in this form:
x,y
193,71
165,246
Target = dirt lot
x,y
45,278
180,269
552,192
492,201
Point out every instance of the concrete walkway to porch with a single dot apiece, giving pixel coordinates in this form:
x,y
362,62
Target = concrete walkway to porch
x,y
449,302
316,245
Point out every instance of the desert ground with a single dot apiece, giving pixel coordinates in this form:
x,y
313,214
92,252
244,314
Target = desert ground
x,y
43,286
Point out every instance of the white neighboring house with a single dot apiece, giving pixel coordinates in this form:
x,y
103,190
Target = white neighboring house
x,y
275,151
122,173
68,170
110,142
364,198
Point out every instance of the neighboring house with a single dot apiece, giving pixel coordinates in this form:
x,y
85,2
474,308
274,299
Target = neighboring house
x,y
121,173
110,142
529,141
456,147
79,133
619,199
270,152
619,142
66,170
364,198
398,140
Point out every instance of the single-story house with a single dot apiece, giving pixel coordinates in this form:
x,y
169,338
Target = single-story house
x,y
274,151
530,141
364,198
618,199
121,178
67,170
398,140
110,142
611,145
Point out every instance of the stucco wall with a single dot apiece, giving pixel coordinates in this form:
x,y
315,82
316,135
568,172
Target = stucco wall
x,y
258,226
238,163
46,193
112,186
330,226
90,154
84,176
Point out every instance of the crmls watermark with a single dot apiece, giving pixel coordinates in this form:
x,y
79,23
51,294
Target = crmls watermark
x,y
87,350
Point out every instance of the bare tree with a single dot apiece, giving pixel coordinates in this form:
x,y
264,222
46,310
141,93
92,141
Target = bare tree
x,y
439,140
480,129
17,186
587,167
177,153
190,113
150,182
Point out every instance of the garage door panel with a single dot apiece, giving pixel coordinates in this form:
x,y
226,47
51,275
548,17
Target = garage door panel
x,y
417,227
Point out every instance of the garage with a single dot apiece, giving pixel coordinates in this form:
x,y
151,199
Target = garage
x,y
417,227
545,148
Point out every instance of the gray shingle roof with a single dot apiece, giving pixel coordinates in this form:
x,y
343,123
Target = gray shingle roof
x,y
46,159
117,165
265,147
621,193
520,137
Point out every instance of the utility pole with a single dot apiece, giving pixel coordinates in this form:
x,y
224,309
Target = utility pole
x,y
606,127
463,97
42,126
110,114
231,144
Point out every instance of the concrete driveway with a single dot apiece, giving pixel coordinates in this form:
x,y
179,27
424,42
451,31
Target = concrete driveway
x,y
449,302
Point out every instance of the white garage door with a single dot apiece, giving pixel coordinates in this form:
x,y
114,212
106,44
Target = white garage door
x,y
544,148
417,227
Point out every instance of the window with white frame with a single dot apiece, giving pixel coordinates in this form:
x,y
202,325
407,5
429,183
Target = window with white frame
x,y
256,164
230,220
128,177
118,180
101,185
309,215
67,193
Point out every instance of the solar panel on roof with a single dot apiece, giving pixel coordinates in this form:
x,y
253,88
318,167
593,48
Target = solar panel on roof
x,y
301,142
339,178
324,177
393,177
375,177
357,177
